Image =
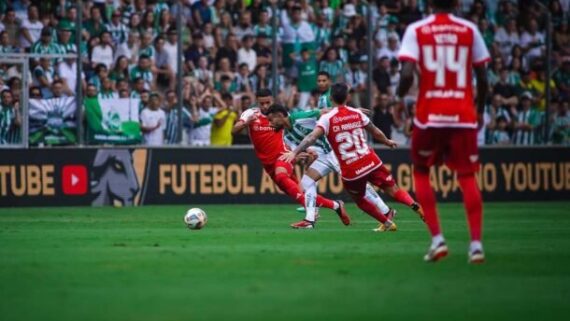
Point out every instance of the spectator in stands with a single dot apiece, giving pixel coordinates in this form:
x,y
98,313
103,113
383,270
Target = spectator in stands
x,y
153,122
106,91
332,65
57,89
307,77
562,38
262,50
246,54
94,26
195,51
143,70
244,27
383,117
561,124
224,121
500,135
138,87
526,121
101,73
147,26
202,12
10,119
390,51
103,52
35,93
67,72
120,70
130,49
532,41
171,49
45,45
64,40
381,75
507,37
562,79
202,117
356,79
164,71
43,75
12,27
5,46
297,34
229,51
504,90
147,47
30,28
539,88
242,83
263,27
117,29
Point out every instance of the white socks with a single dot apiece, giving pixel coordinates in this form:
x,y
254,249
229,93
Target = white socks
x,y
474,246
310,188
436,240
373,197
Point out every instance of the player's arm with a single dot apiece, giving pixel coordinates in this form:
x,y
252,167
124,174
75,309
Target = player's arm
x,y
246,118
406,78
307,142
482,86
379,136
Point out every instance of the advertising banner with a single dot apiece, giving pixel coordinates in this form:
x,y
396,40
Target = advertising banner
x,y
126,177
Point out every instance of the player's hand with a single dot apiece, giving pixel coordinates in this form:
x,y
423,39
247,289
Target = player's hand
x,y
306,158
288,157
365,111
390,143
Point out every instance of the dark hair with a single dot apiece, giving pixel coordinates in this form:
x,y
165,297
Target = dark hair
x,y
5,91
225,78
444,4
339,93
229,96
144,57
278,109
245,97
263,92
57,81
100,67
243,64
324,73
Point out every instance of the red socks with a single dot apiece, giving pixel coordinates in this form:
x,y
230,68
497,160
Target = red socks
x,y
291,188
426,198
403,197
369,208
473,204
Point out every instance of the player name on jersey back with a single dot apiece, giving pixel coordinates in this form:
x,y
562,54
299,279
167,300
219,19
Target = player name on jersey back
x,y
445,48
344,129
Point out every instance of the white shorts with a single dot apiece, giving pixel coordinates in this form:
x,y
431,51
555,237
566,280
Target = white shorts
x,y
325,163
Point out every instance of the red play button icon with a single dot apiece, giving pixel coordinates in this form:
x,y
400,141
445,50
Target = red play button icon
x,y
74,179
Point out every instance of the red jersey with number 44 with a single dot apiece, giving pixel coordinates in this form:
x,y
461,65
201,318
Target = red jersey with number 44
x,y
445,48
344,129
267,142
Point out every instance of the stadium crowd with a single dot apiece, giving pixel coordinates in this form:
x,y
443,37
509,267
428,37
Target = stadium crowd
x,y
129,50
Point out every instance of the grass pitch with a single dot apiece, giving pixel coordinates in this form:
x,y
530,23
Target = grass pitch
x,y
247,264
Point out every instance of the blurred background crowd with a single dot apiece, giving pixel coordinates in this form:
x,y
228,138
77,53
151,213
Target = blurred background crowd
x,y
129,50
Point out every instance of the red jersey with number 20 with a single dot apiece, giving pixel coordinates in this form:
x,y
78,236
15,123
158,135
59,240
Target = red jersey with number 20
x,y
445,48
267,142
344,129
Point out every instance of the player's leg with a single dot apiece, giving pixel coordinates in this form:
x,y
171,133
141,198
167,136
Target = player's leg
x,y
284,177
373,197
318,169
357,190
424,154
382,178
464,158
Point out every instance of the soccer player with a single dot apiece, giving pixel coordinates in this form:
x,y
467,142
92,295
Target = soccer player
x,y
344,130
269,146
297,126
445,48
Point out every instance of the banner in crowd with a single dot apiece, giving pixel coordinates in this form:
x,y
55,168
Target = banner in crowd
x,y
125,177
52,121
113,121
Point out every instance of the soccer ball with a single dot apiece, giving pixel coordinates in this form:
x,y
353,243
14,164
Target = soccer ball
x,y
195,218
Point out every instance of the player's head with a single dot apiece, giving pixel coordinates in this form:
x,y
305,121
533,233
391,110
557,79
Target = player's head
x,y
323,81
277,115
264,100
339,93
444,4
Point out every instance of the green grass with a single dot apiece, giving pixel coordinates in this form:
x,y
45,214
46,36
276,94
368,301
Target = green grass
x,y
143,264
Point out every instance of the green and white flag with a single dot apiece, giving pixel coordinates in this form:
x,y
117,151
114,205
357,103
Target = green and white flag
x,y
113,121
52,121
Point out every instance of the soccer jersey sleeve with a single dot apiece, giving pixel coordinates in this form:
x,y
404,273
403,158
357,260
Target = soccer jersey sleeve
x,y
324,124
409,50
246,114
480,52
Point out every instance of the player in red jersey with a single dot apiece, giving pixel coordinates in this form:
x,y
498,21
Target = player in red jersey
x,y
269,146
344,129
446,49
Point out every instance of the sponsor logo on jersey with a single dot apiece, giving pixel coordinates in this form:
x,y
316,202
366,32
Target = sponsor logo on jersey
x,y
365,168
338,119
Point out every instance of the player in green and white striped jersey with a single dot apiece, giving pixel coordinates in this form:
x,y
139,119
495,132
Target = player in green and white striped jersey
x,y
296,127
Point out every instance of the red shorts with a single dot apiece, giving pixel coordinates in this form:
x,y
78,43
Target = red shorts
x,y
456,147
380,177
270,169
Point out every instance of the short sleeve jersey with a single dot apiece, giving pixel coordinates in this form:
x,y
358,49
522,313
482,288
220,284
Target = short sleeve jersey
x,y
344,130
267,142
445,48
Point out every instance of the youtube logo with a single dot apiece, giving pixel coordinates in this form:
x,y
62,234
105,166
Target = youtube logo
x,y
74,179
